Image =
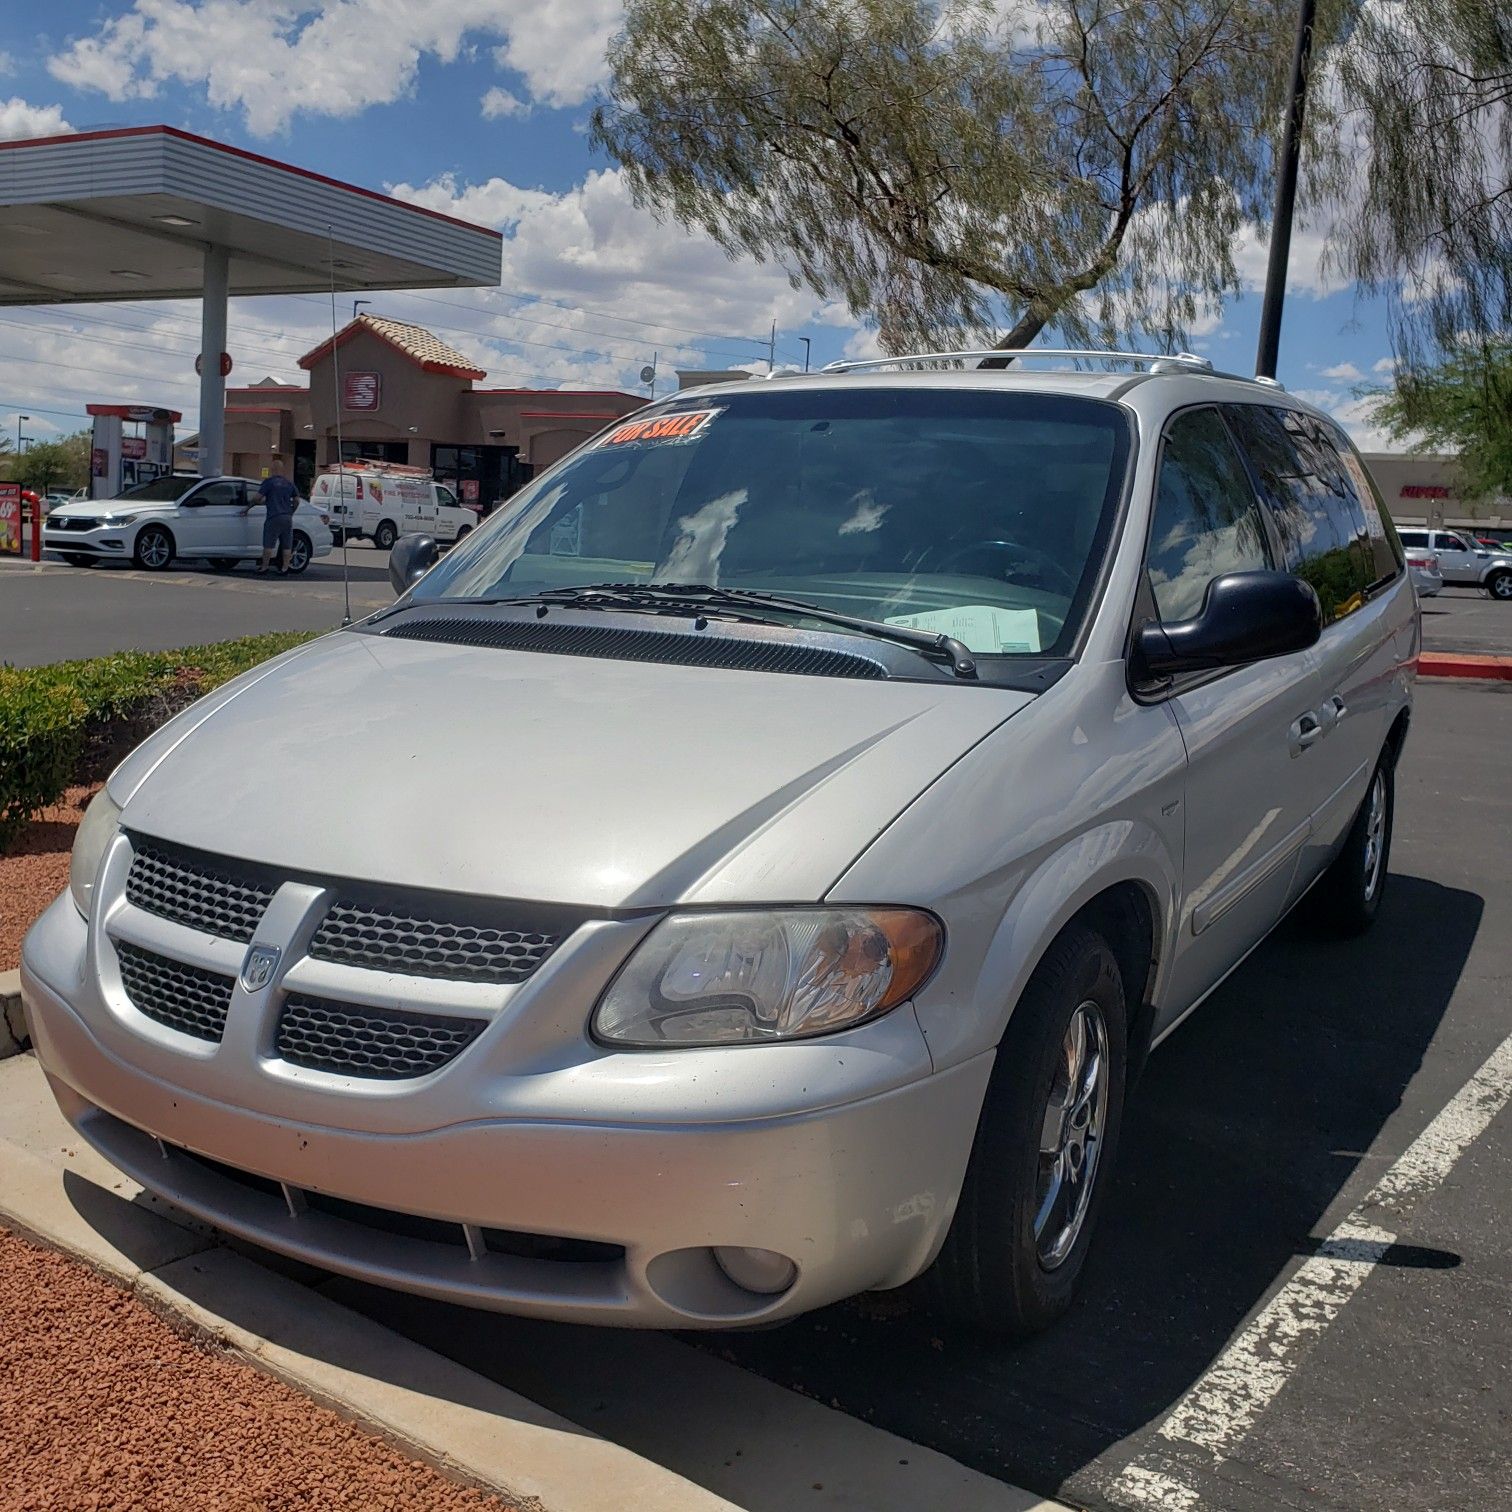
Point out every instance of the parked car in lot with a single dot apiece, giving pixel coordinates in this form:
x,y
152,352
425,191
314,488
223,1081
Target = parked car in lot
x,y
384,502
883,762
1461,561
179,517
1424,568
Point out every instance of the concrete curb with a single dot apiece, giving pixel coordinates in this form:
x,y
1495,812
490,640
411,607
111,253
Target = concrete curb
x,y
15,1036
1463,664
473,1429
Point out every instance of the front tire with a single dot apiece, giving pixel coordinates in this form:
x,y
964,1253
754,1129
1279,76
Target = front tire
x,y
385,535
1499,585
300,553
154,550
1044,1149
1346,898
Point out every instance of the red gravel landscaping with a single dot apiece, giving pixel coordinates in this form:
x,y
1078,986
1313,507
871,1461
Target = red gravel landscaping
x,y
105,1406
34,870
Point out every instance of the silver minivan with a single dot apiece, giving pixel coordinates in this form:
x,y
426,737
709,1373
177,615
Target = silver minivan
x,y
868,770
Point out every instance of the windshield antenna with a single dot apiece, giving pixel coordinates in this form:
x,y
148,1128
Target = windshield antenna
x,y
346,575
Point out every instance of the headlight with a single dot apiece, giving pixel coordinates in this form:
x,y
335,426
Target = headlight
x,y
119,519
101,821
740,978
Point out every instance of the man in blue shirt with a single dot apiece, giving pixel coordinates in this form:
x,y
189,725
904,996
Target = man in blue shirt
x,y
280,501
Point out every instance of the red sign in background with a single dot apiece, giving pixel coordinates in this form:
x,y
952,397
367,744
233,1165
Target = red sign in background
x,y
361,391
10,517
469,490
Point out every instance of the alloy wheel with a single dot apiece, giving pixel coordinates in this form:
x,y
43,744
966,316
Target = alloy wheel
x,y
1375,833
1071,1136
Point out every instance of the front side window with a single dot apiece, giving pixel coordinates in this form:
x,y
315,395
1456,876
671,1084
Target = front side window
x,y
1451,543
1321,523
1206,519
219,493
446,496
983,515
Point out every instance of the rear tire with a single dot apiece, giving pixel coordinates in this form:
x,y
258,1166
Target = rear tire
x,y
1499,585
1013,1258
154,550
1346,898
385,535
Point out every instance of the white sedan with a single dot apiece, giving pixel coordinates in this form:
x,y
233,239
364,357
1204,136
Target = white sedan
x,y
213,520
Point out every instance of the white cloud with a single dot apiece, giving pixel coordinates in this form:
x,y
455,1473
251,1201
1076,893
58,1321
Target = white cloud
x,y
1384,365
1344,371
18,119
647,286
499,102
1356,415
272,59
1304,271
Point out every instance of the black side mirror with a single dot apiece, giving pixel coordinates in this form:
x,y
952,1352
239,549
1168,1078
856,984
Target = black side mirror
x,y
410,558
1246,617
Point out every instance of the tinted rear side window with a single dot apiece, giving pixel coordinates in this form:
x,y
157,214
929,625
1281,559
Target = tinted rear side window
x,y
1206,520
1319,519
1385,544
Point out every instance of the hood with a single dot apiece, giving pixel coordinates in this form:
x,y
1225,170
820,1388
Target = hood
x,y
93,508
518,774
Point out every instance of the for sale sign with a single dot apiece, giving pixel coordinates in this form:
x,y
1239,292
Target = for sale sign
x,y
10,517
361,391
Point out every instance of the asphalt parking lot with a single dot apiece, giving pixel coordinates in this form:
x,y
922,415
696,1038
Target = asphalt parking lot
x,y
53,612
1231,1350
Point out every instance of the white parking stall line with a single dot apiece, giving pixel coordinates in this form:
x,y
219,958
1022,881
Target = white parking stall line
x,y
1220,1409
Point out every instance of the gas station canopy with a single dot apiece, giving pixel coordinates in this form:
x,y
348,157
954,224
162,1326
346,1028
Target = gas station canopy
x,y
127,214
151,212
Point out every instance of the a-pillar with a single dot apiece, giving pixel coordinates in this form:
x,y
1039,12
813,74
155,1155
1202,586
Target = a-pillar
x,y
212,415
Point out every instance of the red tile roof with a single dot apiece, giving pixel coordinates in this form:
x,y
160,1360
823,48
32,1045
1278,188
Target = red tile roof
x,y
429,352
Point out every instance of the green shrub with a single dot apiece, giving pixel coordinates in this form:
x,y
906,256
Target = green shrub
x,y
71,721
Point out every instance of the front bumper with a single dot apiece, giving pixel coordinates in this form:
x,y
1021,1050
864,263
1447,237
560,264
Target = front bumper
x,y
858,1194
110,542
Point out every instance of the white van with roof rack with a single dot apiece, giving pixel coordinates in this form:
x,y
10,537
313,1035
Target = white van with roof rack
x,y
384,501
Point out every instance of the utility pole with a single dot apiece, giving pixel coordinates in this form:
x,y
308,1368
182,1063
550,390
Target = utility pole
x,y
806,345
20,421
1286,197
772,350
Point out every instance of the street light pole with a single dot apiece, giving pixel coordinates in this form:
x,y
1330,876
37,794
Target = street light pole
x,y
20,421
806,345
1286,197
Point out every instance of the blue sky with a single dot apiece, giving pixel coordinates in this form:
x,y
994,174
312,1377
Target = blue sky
x,y
476,107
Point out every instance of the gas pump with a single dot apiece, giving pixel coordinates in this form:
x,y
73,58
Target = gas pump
x,y
118,461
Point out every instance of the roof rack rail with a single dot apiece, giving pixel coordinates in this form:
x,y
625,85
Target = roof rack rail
x,y
1156,362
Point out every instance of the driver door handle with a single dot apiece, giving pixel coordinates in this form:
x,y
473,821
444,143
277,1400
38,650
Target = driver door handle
x,y
1306,731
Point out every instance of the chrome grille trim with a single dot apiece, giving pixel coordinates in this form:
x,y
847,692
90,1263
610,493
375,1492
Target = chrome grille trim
x,y
381,1043
180,997
214,896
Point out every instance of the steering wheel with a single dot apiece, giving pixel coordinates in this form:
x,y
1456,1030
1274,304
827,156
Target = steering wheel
x,y
1040,564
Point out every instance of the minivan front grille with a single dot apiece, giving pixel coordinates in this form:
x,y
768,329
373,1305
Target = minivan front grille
x,y
449,940
185,998
215,896
381,1043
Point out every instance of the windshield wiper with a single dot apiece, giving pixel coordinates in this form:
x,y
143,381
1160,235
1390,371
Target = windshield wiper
x,y
657,597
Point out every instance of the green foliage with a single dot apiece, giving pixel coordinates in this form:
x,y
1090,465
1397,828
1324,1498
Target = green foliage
x,y
1414,173
50,717
53,464
1463,405
41,735
950,168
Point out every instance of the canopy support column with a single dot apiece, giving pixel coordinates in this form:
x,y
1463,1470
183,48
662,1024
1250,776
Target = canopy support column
x,y
212,417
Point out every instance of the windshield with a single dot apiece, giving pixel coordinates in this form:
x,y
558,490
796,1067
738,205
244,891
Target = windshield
x,y
160,490
980,515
